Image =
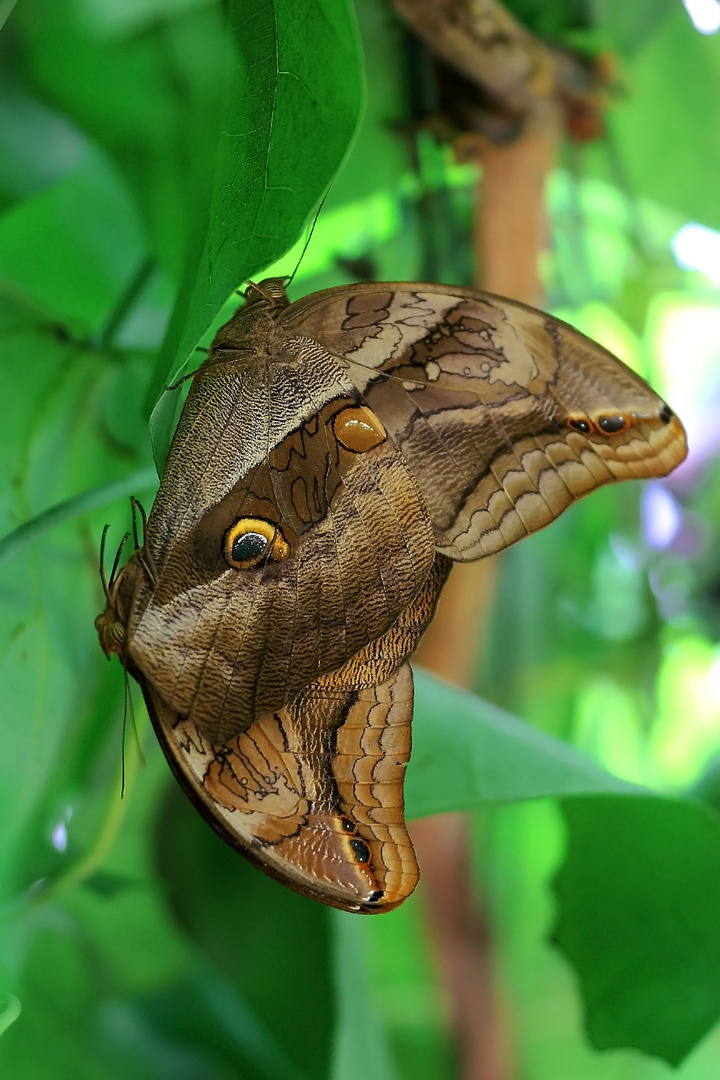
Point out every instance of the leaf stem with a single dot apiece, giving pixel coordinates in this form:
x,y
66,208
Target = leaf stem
x,y
95,854
126,302
88,500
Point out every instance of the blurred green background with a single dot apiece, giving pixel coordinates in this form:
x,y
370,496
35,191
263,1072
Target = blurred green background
x,y
154,154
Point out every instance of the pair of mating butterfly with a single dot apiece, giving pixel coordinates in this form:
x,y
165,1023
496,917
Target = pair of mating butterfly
x,y
334,457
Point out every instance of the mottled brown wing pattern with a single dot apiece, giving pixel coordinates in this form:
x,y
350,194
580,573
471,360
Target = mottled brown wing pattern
x,y
332,458
299,812
223,646
504,415
313,793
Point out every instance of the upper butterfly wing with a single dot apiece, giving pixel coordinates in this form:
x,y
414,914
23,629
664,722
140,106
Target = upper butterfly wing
x,y
505,415
257,441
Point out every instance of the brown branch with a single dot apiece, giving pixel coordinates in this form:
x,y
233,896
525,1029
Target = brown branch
x,y
509,232
506,81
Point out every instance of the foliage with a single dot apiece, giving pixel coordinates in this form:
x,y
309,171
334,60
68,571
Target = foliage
x,y
153,156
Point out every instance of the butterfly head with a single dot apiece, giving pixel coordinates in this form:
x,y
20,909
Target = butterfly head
x,y
269,293
119,589
253,326
111,631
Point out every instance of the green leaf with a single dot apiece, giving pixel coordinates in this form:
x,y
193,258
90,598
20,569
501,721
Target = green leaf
x,y
70,249
467,752
146,92
676,76
80,504
638,897
361,1047
639,893
37,146
286,122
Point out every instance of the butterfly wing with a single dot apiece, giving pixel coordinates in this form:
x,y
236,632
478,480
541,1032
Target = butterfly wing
x,y
258,442
503,414
313,793
294,807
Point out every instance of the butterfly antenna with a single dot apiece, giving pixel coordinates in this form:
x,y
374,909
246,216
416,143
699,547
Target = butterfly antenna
x,y
144,556
136,733
116,561
103,575
307,242
122,738
190,374
138,508
129,706
107,584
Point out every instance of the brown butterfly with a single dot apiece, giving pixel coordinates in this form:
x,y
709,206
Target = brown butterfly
x,y
334,457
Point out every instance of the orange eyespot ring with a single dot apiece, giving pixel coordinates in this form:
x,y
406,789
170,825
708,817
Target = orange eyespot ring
x,y
581,424
252,540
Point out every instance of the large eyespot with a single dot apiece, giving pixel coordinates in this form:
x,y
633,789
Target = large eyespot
x,y
253,540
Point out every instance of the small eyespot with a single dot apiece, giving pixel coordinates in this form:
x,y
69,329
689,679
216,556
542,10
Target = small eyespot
x,y
360,850
666,414
253,540
347,825
580,424
612,424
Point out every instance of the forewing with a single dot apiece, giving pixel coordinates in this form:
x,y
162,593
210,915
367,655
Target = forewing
x,y
224,645
504,415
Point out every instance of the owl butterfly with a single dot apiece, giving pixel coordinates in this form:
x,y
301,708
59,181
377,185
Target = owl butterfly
x,y
334,457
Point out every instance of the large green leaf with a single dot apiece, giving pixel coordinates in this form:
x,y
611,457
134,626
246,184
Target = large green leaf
x,y
639,892
467,752
286,121
666,129
638,898
360,1047
228,131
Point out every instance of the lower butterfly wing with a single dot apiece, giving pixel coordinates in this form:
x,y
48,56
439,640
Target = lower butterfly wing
x,y
311,794
504,415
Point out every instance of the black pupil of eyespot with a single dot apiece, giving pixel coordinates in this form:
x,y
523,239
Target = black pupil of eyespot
x,y
581,425
361,850
611,424
249,546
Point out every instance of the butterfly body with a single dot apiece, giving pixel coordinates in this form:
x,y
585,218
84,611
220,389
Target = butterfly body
x,y
333,458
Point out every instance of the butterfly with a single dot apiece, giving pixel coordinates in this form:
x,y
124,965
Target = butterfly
x,y
334,458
